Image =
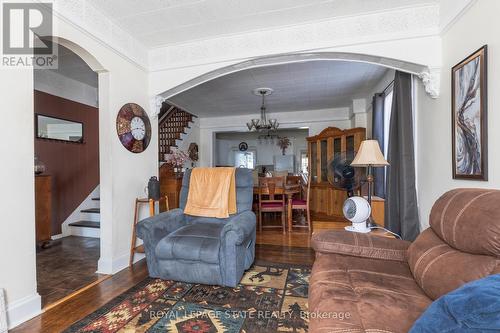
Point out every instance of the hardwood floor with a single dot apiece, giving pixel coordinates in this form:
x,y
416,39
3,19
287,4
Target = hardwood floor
x,y
69,265
272,246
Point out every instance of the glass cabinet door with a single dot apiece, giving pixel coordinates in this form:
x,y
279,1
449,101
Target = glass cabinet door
x,y
337,146
349,147
324,160
313,165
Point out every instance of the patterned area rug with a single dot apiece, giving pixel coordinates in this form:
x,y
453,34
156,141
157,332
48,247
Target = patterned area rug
x,y
269,298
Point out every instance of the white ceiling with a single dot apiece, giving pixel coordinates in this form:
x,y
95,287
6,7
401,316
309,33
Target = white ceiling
x,y
297,86
162,22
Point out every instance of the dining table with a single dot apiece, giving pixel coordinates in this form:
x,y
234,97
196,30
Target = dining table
x,y
289,190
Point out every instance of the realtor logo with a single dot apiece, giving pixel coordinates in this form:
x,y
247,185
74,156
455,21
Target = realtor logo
x,y
24,25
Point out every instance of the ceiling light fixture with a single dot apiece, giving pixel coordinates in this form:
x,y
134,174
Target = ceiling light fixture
x,y
262,123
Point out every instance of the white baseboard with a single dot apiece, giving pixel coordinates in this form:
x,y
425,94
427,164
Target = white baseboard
x,y
23,309
57,236
114,265
85,232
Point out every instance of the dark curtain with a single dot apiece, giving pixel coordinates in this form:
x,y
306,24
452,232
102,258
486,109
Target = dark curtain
x,y
378,134
401,213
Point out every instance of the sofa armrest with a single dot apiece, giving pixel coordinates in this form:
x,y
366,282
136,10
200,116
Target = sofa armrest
x,y
239,227
153,229
360,245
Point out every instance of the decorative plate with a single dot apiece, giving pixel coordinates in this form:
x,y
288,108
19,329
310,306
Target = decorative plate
x,y
243,146
133,127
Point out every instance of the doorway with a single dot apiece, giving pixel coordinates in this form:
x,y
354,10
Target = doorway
x,y
67,177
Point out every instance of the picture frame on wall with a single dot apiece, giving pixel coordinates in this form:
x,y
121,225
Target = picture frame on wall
x,y
469,117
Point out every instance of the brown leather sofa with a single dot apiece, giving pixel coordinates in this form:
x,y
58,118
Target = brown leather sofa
x,y
368,283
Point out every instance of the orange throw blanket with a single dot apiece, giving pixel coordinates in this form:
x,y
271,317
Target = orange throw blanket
x,y
212,192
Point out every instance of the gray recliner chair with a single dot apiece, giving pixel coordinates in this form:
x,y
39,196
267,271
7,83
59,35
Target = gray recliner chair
x,y
202,249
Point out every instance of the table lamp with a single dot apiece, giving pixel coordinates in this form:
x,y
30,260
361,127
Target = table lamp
x,y
369,155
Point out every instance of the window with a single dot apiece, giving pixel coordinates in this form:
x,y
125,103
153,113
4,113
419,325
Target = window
x,y
304,161
244,159
387,120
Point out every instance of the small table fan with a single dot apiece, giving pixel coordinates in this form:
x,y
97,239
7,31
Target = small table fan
x,y
342,176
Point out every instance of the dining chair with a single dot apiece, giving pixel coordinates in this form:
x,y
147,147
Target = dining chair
x,y
272,199
300,203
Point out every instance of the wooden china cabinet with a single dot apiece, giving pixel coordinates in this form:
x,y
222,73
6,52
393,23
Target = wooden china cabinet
x,y
326,202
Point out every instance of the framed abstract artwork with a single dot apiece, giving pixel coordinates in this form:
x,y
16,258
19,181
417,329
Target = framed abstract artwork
x,y
469,117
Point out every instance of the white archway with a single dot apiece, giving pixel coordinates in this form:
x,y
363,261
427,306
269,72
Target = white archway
x,y
429,78
105,171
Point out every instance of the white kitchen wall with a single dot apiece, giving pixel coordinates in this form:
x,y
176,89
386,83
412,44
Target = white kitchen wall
x,y
478,26
314,120
227,143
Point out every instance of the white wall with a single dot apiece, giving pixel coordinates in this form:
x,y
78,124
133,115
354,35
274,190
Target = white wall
x,y
17,226
123,174
479,26
314,120
57,84
227,143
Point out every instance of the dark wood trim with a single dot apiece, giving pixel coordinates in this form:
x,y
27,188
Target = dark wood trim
x,y
482,52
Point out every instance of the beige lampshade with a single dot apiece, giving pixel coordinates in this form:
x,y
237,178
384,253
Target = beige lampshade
x,y
369,154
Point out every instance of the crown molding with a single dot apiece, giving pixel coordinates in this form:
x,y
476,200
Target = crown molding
x,y
394,24
454,14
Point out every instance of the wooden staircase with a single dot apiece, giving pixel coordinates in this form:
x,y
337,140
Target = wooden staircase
x,y
172,123
89,220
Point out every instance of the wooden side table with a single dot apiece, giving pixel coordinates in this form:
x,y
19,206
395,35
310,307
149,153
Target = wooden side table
x,y
133,247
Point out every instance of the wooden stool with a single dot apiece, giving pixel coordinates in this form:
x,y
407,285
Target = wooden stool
x,y
140,249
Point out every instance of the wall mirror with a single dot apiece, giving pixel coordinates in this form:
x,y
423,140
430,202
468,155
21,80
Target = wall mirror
x,y
58,129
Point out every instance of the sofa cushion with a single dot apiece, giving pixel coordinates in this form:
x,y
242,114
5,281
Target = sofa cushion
x,y
474,307
468,220
196,242
439,268
351,294
361,245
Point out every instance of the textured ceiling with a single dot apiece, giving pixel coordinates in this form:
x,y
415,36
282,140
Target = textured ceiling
x,y
297,86
162,22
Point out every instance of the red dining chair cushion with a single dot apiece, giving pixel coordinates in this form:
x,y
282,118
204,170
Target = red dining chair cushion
x,y
299,202
272,205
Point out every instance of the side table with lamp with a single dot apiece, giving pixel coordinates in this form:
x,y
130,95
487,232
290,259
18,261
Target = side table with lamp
x,y
358,210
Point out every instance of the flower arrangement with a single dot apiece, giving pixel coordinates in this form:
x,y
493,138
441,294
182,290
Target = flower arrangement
x,y
284,143
176,158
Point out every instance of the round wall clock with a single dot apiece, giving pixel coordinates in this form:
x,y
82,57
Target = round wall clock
x,y
243,146
133,127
